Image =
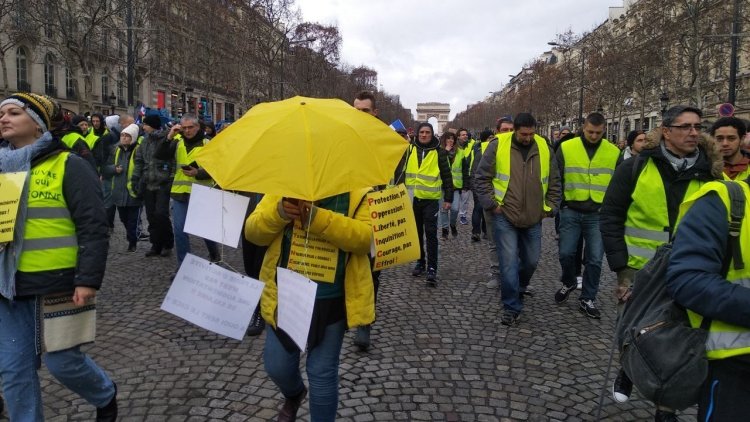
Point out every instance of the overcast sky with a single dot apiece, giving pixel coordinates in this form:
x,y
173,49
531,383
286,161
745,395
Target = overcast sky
x,y
450,51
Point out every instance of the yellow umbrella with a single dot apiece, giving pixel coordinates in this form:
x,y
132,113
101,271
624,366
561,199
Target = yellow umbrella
x,y
306,148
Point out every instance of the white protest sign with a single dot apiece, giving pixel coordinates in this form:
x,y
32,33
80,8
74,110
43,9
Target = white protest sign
x,y
212,297
216,215
296,302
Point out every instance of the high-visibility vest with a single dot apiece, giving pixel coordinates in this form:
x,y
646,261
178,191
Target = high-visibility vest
x,y
741,176
129,172
482,146
502,167
91,138
70,139
424,180
457,169
49,238
725,339
647,221
183,183
588,178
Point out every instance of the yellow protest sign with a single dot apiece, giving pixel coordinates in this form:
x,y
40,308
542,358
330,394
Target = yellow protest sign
x,y
11,187
393,227
312,256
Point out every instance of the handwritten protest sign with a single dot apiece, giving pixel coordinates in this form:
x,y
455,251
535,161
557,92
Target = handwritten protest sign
x,y
394,228
312,256
212,297
11,187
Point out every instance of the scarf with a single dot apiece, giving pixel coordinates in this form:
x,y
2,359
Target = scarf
x,y
15,160
680,164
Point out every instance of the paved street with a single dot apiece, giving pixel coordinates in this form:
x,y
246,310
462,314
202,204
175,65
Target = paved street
x,y
438,354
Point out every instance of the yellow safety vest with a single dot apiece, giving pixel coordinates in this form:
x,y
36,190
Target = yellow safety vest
x,y
91,139
740,177
502,167
647,222
183,183
588,179
482,147
70,139
457,169
49,239
131,166
424,180
724,339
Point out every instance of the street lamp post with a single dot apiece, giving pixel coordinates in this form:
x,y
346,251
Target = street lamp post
x,y
734,53
664,102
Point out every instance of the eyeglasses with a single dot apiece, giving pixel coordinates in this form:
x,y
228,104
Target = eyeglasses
x,y
687,127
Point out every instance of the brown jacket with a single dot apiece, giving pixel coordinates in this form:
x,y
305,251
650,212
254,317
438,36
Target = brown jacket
x,y
523,202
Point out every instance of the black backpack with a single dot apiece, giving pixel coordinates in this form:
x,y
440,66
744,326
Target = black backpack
x,y
660,352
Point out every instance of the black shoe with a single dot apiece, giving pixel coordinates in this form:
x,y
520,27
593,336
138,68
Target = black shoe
x,y
214,257
665,416
418,270
445,233
484,236
143,237
431,277
257,324
288,412
108,413
475,237
588,308
454,231
509,318
152,252
362,339
166,252
622,387
562,294
131,247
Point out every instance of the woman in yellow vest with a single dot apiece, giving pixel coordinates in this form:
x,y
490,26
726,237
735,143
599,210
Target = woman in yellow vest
x,y
53,265
124,188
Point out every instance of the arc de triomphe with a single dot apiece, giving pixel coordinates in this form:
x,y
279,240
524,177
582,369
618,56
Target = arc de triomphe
x,y
440,111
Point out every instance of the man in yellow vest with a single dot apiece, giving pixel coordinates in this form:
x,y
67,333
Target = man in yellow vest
x,y
427,176
586,166
518,181
182,144
728,133
696,280
642,201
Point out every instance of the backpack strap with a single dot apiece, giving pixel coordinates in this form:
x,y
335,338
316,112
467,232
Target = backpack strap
x,y
736,213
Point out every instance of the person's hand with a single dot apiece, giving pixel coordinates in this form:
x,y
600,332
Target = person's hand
x,y
624,283
82,295
190,172
498,210
289,209
446,205
305,211
174,131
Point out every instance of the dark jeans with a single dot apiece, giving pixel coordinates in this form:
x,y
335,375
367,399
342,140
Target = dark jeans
x,y
573,226
478,224
425,212
157,213
129,218
725,395
111,216
518,251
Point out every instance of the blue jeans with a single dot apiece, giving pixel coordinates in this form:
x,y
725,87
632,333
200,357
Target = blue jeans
x,y
573,224
19,362
443,218
322,370
518,252
182,239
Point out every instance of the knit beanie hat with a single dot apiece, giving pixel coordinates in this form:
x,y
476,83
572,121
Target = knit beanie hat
x,y
132,130
152,120
38,107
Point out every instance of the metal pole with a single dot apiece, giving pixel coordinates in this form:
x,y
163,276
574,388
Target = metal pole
x,y
580,98
734,53
282,69
131,56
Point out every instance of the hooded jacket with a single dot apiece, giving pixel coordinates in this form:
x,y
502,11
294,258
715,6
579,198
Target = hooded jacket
x,y
444,164
618,198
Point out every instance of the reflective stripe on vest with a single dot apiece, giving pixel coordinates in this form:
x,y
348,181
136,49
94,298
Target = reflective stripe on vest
x,y
424,180
131,166
588,179
49,241
457,169
724,339
501,181
183,183
647,222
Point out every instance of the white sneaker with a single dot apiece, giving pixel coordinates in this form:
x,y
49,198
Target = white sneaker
x,y
579,280
493,283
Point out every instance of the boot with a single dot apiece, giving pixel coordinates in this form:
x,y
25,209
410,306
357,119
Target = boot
x,y
362,339
257,323
108,413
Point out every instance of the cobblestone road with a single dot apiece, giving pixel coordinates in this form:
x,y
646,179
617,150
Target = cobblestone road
x,y
438,354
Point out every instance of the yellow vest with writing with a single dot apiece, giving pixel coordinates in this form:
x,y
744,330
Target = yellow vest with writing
x,y
588,178
424,180
49,241
724,339
501,181
183,183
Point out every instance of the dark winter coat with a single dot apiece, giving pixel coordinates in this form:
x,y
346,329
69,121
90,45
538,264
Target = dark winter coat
x,y
153,173
121,197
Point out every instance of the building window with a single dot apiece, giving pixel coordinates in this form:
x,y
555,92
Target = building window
x,y
70,87
49,75
121,89
22,70
105,86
